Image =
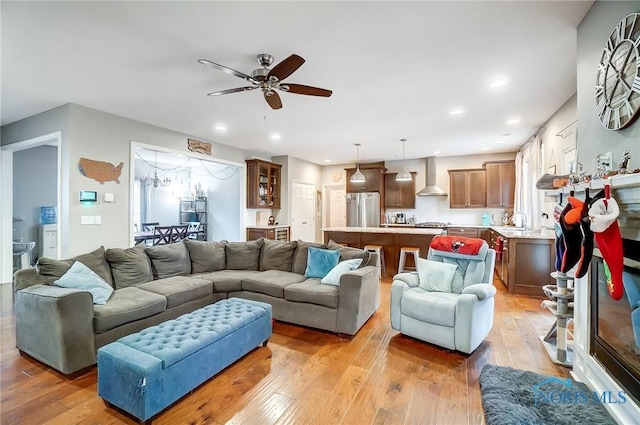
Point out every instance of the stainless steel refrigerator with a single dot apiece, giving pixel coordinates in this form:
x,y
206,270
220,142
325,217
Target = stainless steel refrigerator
x,y
363,209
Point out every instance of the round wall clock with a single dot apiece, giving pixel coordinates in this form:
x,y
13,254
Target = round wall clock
x,y
618,76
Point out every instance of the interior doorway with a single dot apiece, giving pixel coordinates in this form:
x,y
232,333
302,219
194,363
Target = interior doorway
x,y
20,215
336,205
303,204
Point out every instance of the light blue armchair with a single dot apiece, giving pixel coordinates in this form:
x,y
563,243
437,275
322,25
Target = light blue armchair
x,y
458,320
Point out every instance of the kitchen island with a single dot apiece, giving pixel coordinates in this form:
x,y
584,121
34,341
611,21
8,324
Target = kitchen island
x,y
526,260
391,238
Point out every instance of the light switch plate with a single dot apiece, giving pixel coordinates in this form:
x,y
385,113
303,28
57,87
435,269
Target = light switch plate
x,y
98,219
109,197
87,219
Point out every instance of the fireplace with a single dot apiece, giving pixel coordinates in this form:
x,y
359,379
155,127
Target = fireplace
x,y
615,325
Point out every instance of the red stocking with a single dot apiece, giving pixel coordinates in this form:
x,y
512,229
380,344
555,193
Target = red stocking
x,y
603,214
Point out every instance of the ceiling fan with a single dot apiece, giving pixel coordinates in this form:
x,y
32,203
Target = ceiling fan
x,y
269,80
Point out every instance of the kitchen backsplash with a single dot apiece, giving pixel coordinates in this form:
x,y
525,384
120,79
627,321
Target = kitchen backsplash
x,y
437,209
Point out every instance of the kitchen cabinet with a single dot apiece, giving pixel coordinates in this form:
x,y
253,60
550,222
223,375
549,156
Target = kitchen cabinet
x,y
467,188
263,184
374,179
399,194
502,257
500,183
469,232
276,233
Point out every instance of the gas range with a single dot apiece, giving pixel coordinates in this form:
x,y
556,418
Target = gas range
x,y
432,225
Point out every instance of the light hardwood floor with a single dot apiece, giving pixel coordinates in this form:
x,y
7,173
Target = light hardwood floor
x,y
303,376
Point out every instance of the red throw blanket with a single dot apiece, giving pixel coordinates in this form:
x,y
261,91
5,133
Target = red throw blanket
x,y
457,244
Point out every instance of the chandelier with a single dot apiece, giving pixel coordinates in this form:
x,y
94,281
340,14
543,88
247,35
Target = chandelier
x,y
155,181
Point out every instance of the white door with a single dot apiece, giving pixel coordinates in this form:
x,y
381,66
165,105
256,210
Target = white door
x,y
302,212
337,206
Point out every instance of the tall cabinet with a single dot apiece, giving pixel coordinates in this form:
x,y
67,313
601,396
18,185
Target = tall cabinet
x,y
501,183
194,210
263,184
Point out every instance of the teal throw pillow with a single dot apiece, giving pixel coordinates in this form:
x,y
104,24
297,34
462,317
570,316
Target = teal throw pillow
x,y
333,277
82,277
435,276
320,262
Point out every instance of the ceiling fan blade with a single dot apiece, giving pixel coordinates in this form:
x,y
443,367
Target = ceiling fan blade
x,y
286,67
228,70
308,90
236,90
273,100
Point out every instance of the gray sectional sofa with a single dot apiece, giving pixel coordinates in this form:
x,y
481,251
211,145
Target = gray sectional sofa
x,y
63,328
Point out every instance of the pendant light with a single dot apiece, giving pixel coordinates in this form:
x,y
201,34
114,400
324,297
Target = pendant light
x,y
357,177
404,175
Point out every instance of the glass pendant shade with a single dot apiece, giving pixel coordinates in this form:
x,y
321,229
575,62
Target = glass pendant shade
x,y
357,177
404,175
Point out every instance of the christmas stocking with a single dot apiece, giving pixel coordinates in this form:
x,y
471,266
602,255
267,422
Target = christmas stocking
x,y
572,241
587,236
603,214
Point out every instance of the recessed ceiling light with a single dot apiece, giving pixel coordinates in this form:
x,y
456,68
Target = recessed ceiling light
x,y
327,160
456,111
436,152
220,127
275,136
500,142
513,121
498,83
484,149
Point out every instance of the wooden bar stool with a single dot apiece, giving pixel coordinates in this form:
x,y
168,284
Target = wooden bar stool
x,y
380,262
403,257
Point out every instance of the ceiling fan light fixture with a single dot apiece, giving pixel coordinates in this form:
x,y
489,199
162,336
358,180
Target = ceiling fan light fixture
x,y
357,177
404,175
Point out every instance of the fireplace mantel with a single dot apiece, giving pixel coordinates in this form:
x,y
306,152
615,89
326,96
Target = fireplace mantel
x,y
626,191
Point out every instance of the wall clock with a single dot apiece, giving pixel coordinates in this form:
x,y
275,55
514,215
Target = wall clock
x,y
618,76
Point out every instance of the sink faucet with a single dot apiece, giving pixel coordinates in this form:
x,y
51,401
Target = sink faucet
x,y
524,218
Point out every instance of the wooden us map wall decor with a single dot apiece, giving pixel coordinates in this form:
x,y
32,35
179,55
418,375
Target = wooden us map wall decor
x,y
198,146
100,170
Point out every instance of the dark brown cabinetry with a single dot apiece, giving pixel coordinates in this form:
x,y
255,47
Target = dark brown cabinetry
x,y
469,232
399,194
500,183
467,188
374,178
277,233
263,184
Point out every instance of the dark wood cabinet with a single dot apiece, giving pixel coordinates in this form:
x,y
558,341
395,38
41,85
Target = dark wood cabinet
x,y
399,194
467,188
276,233
263,184
469,232
373,175
500,183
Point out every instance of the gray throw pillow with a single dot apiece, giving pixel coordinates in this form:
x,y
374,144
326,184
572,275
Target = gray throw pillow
x,y
206,256
129,266
277,255
243,255
348,253
302,254
52,270
169,260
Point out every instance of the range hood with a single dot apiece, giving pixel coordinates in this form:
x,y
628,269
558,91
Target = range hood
x,y
431,189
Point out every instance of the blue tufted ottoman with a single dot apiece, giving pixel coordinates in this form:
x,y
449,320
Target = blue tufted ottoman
x,y
143,373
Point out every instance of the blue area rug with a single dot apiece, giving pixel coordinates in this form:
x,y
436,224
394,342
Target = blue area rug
x,y
513,396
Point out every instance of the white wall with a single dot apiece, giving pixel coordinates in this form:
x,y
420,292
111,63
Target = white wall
x,y
35,176
105,137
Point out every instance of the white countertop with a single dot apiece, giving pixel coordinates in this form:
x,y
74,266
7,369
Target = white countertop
x,y
513,232
401,230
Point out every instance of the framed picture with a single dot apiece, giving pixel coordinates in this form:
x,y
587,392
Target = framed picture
x,y
552,169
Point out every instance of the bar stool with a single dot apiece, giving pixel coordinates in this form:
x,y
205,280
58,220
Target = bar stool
x,y
380,261
403,256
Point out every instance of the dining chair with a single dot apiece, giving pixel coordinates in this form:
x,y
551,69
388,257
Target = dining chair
x,y
192,229
162,235
148,227
178,233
